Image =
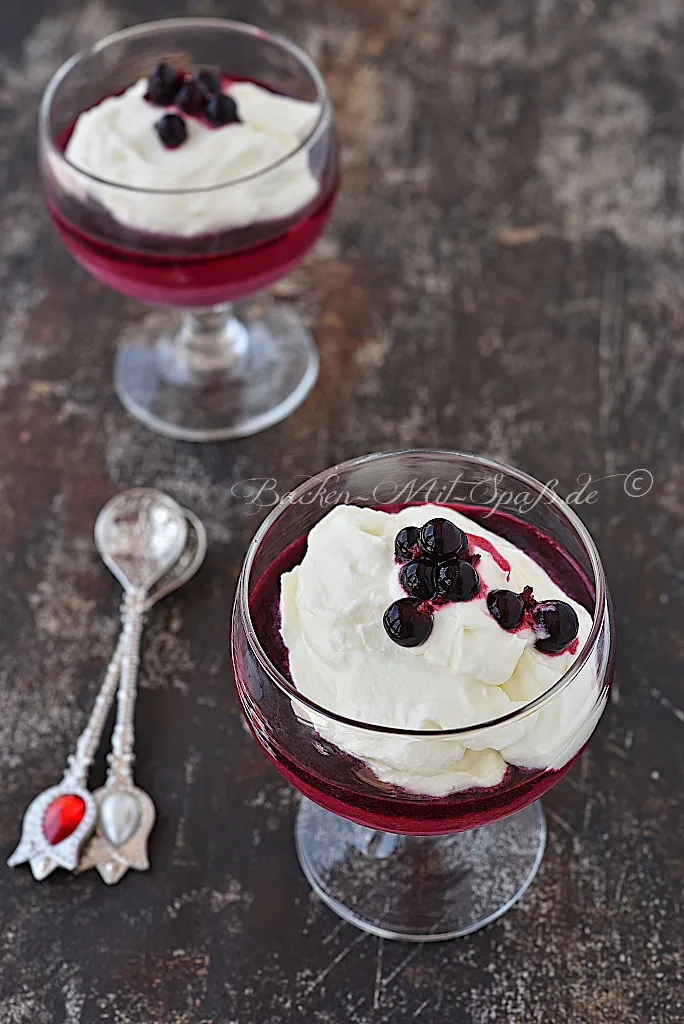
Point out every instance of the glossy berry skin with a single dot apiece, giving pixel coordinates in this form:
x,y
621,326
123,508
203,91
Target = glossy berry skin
x,y
419,579
406,543
457,581
221,110
171,131
209,82
163,84
405,624
558,624
443,540
192,98
507,607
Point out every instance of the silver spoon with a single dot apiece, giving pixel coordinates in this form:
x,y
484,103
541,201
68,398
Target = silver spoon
x,y
141,534
116,812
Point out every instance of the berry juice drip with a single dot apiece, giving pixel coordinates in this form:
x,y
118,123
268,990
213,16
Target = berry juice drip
x,y
347,785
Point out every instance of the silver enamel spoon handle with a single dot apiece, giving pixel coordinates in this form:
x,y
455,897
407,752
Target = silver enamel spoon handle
x,y
43,855
126,814
121,758
78,763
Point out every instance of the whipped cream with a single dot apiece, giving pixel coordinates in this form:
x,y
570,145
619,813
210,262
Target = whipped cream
x,y
468,672
116,141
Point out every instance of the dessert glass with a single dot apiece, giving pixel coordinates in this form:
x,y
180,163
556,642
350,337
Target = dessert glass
x,y
397,863
212,375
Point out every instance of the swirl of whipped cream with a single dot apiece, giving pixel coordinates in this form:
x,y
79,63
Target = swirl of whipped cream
x,y
117,142
469,671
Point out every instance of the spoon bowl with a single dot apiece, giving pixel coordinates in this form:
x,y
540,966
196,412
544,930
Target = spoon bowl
x,y
141,534
187,565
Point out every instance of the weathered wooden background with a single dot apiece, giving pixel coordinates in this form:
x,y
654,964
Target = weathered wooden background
x,y
504,274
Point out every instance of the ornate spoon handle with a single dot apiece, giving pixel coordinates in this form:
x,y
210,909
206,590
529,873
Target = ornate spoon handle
x,y
142,537
122,758
59,820
78,763
126,813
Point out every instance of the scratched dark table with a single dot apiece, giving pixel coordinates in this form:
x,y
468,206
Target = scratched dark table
x,y
504,274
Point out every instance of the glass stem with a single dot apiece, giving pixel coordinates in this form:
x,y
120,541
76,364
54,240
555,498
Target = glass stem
x,y
209,347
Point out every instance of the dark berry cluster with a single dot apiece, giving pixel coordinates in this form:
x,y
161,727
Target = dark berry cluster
x,y
437,568
199,95
554,622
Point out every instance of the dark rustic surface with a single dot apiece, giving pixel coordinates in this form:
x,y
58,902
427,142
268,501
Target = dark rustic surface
x,y
504,274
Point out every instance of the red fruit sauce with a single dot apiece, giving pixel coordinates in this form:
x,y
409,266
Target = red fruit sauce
x,y
342,783
202,270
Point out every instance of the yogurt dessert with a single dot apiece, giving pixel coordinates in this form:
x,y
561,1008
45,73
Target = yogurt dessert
x,y
423,620
191,188
407,622
176,132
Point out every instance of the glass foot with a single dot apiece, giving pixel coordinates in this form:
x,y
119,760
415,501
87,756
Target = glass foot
x,y
216,376
419,888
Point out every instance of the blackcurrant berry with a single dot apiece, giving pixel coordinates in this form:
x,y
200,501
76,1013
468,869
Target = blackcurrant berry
x,y
441,539
507,607
406,624
556,625
457,581
171,131
163,84
192,98
406,544
419,579
221,110
210,83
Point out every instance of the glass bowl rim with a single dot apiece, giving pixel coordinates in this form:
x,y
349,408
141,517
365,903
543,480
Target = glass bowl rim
x,y
148,27
601,603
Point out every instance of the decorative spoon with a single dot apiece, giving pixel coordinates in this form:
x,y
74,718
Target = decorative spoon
x,y
126,814
143,534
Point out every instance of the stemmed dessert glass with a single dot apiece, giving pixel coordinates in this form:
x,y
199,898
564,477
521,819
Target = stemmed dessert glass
x,y
214,375
401,864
